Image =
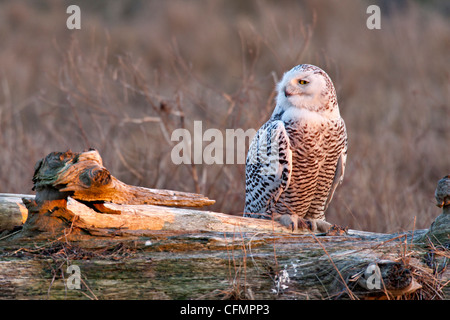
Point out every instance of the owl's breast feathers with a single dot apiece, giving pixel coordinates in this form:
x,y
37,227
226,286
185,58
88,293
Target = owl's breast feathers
x,y
311,162
319,151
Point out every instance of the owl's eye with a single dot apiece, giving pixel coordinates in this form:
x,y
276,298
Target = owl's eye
x,y
303,82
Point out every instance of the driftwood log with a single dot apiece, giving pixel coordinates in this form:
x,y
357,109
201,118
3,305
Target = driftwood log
x,y
89,235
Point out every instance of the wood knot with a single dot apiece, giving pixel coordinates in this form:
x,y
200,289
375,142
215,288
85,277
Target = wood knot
x,y
397,276
95,176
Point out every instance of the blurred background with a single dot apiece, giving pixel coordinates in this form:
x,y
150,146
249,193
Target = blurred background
x,y
137,70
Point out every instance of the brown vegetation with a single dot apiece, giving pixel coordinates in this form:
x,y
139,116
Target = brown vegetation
x,y
137,70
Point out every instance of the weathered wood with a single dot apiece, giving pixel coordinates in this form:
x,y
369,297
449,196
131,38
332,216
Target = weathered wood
x,y
73,188
83,177
149,217
214,265
13,212
181,257
128,218
181,264
147,251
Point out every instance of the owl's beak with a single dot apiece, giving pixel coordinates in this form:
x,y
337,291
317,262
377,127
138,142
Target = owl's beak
x,y
287,93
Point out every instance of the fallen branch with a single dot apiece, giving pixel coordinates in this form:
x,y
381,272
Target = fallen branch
x,y
83,177
70,219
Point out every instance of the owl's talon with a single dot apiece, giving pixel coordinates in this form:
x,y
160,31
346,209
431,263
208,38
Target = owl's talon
x,y
287,220
305,224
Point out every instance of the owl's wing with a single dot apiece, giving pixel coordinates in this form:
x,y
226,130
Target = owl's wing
x,y
340,170
268,168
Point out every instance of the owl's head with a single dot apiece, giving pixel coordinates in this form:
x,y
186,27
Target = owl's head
x,y
307,87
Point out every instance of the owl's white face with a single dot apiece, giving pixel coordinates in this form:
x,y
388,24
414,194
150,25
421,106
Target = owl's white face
x,y
307,87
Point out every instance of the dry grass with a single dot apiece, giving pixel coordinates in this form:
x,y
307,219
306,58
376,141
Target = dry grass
x,y
138,70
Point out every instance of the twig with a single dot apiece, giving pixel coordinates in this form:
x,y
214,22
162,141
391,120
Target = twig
x,y
9,235
85,284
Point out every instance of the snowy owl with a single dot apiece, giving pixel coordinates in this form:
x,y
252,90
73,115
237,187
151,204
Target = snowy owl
x,y
297,158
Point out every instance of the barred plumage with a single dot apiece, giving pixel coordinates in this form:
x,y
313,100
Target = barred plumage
x,y
297,158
